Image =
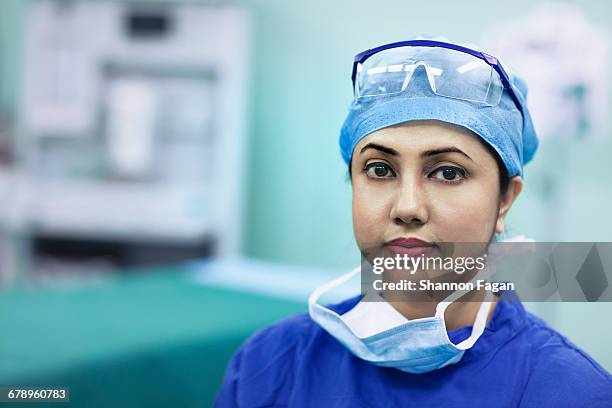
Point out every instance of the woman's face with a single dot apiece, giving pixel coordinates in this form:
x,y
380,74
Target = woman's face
x,y
427,180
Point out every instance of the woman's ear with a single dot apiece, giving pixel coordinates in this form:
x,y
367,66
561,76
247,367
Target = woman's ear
x,y
507,199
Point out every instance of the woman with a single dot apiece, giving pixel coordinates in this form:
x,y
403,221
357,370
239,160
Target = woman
x,y
435,142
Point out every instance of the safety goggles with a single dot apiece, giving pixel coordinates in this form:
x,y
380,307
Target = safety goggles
x,y
452,71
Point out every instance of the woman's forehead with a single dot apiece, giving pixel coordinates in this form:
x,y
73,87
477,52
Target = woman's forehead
x,y
417,136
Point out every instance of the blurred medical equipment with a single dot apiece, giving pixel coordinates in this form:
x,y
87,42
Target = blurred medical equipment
x,y
565,60
131,131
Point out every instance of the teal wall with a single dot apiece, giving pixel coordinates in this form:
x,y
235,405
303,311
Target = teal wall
x,y
298,208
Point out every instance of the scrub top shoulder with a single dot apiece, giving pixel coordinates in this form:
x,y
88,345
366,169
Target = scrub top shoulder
x,y
518,361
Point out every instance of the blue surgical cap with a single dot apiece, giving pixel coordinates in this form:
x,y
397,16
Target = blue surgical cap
x,y
508,130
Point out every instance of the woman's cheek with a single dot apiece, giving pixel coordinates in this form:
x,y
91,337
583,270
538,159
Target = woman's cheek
x,y
368,217
465,216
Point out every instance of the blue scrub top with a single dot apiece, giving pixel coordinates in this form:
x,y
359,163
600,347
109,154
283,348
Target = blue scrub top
x,y
518,361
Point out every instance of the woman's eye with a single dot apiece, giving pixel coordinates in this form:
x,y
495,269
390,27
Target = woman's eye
x,y
379,170
448,174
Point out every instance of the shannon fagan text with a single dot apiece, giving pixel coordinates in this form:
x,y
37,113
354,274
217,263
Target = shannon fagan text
x,y
412,264
427,285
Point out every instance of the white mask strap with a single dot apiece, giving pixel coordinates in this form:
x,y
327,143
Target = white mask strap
x,y
479,323
441,306
316,294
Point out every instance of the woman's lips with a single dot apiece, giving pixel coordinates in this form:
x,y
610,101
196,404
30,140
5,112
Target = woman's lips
x,y
410,247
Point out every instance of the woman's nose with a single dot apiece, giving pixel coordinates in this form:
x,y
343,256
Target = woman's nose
x,y
411,204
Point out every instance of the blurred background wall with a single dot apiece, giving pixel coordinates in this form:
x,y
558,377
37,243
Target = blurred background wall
x,y
295,195
301,58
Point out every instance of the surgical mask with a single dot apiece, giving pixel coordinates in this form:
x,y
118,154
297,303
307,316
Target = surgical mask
x,y
414,346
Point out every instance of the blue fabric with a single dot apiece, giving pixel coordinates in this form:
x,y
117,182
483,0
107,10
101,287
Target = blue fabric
x,y
508,130
518,361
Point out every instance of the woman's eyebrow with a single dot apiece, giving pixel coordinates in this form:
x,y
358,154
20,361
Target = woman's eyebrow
x,y
426,153
441,150
381,148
